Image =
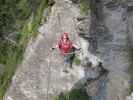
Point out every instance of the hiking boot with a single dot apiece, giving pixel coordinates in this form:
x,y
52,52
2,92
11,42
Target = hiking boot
x,y
70,66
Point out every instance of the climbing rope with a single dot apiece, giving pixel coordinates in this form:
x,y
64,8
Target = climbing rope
x,y
48,77
59,22
49,74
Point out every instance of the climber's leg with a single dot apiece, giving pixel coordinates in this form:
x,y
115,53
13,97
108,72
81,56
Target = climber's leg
x,y
67,62
72,56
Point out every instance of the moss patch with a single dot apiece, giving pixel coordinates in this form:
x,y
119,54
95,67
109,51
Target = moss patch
x,y
84,7
74,94
77,61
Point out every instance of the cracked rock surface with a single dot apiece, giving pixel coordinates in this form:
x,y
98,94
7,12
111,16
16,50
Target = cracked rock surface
x,y
106,36
40,75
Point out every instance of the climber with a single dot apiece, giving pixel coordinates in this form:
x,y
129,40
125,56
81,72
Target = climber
x,y
67,49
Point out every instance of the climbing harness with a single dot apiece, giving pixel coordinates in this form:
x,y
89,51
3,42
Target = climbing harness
x,y
74,52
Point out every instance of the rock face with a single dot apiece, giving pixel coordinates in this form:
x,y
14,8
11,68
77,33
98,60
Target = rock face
x,y
110,41
106,38
117,55
117,49
129,97
40,76
129,3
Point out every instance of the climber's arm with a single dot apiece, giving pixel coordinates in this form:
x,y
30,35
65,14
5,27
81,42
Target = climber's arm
x,y
56,46
76,47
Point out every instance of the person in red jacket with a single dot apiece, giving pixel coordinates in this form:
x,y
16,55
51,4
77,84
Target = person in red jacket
x,y
67,49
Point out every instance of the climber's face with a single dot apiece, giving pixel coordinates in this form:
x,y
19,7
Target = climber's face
x,y
65,38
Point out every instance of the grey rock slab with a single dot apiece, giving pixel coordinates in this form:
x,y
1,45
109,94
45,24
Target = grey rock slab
x,y
40,75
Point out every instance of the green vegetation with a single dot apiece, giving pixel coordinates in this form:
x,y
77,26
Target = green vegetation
x,y
19,19
74,94
84,7
77,61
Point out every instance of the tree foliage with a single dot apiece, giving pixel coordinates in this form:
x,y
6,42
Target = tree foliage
x,y
74,94
13,14
19,19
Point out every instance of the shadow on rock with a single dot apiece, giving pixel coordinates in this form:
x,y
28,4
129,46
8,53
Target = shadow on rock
x,y
88,88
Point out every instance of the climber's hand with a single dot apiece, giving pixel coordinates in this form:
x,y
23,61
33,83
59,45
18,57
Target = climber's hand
x,y
78,49
53,48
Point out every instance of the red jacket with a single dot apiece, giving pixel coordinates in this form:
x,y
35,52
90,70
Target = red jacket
x,y
65,47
